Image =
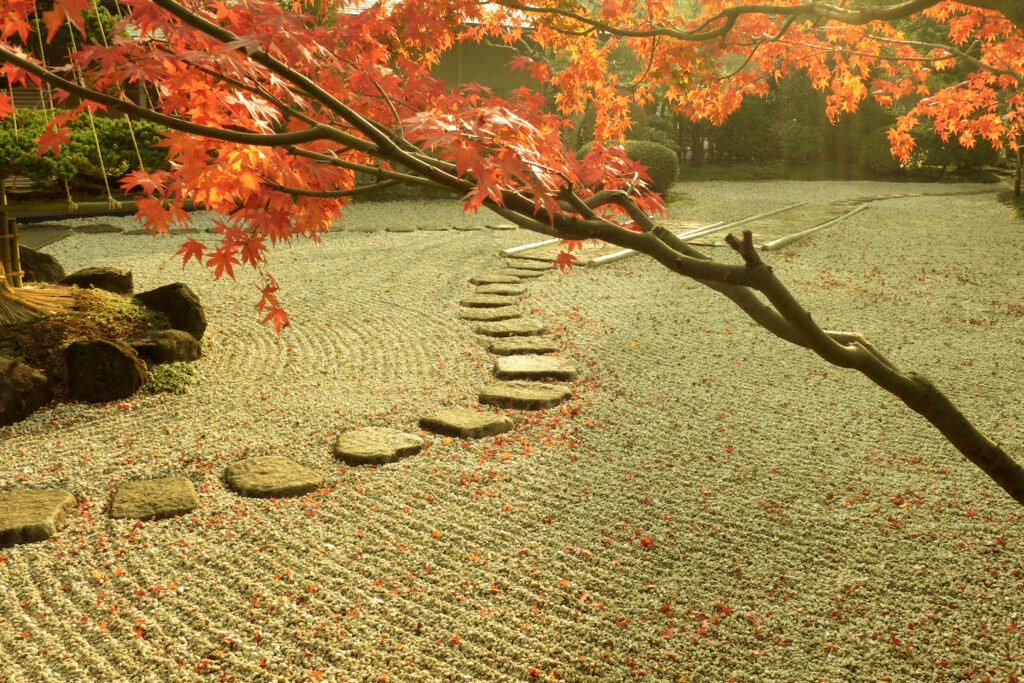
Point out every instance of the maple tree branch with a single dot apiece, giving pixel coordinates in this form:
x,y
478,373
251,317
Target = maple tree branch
x,y
406,178
954,52
318,132
387,147
332,194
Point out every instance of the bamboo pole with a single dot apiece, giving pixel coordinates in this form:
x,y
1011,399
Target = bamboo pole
x,y
5,249
789,239
12,240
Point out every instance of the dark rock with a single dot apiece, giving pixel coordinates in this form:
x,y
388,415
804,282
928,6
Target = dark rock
x,y
168,346
110,279
40,267
180,304
22,391
99,370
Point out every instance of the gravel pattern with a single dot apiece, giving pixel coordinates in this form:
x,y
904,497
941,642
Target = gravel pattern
x,y
710,504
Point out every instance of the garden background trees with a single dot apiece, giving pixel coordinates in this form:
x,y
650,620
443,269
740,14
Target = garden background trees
x,y
272,112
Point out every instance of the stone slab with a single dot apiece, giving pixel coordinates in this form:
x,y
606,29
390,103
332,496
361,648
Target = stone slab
x,y
502,226
154,498
494,279
401,228
486,301
524,395
435,228
491,314
526,264
375,446
271,476
29,515
510,346
469,228
516,327
521,274
97,229
534,366
466,423
501,289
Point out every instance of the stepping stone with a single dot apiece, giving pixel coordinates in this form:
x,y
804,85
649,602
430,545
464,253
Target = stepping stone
x,y
271,476
534,367
520,274
491,314
511,346
372,227
510,328
502,226
502,290
494,279
97,228
375,446
466,423
401,228
524,395
528,264
486,301
435,228
154,498
29,515
469,228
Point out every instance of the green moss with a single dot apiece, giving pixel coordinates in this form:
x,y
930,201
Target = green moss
x,y
170,378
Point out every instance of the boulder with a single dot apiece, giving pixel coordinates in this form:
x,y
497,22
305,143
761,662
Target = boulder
x,y
181,306
23,390
40,267
100,370
29,515
113,280
154,498
168,346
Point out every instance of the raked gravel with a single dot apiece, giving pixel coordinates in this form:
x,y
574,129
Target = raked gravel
x,y
710,503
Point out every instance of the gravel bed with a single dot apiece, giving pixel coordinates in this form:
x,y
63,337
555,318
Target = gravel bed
x,y
710,504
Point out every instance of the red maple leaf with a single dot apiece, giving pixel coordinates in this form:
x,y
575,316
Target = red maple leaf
x,y
278,318
564,260
69,9
52,138
223,260
191,249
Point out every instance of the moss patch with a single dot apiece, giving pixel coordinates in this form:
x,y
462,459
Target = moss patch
x,y
169,378
94,314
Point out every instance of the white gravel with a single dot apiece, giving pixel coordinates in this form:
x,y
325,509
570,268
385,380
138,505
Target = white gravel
x,y
712,503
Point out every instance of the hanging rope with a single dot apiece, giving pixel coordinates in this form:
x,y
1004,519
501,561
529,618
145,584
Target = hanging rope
x,y
48,99
111,202
118,90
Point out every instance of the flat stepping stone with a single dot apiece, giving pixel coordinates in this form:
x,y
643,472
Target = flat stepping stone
x,y
526,264
30,515
494,279
375,446
466,423
511,346
469,228
524,395
401,228
502,290
502,226
435,228
516,327
486,301
521,274
97,228
534,366
154,498
364,227
491,314
271,476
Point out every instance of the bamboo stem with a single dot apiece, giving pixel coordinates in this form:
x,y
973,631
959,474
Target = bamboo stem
x,y
12,240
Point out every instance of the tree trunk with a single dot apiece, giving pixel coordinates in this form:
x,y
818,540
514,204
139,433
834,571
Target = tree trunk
x,y
1020,171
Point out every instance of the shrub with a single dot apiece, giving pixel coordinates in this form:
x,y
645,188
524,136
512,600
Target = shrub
x,y
661,162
